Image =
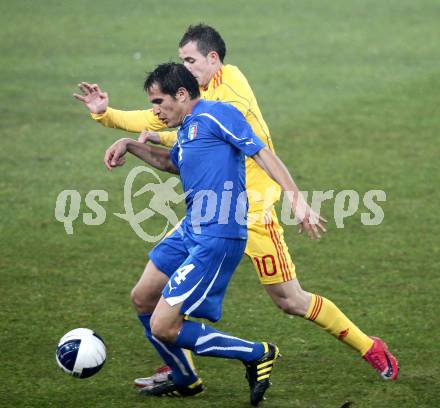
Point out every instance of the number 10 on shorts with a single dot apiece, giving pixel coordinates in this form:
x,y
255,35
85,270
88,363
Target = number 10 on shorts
x,y
266,265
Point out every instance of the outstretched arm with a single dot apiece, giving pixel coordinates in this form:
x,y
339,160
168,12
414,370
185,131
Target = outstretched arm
x,y
157,157
275,168
97,102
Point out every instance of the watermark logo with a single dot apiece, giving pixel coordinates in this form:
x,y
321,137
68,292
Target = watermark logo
x,y
346,205
68,204
207,205
163,195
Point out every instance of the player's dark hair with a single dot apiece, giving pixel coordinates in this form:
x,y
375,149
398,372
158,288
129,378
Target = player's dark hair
x,y
170,77
207,39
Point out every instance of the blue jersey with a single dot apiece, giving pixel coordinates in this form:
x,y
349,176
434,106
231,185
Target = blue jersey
x,y
210,154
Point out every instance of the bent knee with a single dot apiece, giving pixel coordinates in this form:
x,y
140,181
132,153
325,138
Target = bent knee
x,y
163,332
143,302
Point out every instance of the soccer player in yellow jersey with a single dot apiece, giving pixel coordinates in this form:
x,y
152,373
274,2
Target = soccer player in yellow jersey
x,y
202,50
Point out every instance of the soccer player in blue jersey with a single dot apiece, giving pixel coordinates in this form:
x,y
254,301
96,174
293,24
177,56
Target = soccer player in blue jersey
x,y
189,270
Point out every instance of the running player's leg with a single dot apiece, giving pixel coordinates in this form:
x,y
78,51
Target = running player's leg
x,y
270,255
169,327
293,300
197,288
165,258
147,291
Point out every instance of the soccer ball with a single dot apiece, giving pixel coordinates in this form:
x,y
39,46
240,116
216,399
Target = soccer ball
x,y
81,353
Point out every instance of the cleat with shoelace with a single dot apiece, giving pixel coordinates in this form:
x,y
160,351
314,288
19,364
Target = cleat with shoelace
x,y
169,389
160,375
259,371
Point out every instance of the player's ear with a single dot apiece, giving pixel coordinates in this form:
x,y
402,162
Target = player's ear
x,y
212,57
181,94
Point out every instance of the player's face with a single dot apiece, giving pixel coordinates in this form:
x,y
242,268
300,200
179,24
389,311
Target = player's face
x,y
168,109
203,68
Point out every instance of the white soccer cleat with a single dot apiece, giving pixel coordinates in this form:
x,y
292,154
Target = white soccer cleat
x,y
160,375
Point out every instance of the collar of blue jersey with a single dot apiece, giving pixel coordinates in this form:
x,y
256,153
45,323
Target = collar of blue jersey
x,y
198,107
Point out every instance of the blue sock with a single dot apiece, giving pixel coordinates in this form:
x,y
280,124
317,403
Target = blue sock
x,y
204,340
183,373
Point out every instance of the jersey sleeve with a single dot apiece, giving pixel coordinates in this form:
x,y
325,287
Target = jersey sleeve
x,y
168,138
229,124
131,121
174,155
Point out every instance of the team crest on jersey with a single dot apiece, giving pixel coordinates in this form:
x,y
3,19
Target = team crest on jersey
x,y
192,131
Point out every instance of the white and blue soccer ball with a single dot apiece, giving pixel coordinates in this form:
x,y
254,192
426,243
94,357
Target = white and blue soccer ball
x,y
81,353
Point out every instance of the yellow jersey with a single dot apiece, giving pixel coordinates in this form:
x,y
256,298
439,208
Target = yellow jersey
x,y
227,85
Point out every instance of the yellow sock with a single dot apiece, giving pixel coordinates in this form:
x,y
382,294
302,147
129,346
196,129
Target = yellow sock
x,y
328,316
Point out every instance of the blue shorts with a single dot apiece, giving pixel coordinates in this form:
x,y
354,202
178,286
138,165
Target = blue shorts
x,y
199,268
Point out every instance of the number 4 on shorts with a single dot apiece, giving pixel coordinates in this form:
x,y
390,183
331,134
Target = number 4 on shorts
x,y
182,272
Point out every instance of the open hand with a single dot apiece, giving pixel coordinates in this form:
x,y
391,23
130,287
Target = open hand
x,y
95,100
311,222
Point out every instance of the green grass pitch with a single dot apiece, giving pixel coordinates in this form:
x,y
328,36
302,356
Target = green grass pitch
x,y
351,93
